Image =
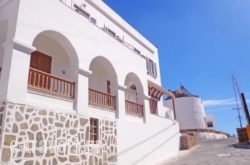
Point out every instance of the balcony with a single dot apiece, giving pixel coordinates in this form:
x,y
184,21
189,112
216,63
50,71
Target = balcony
x,y
134,109
101,99
50,84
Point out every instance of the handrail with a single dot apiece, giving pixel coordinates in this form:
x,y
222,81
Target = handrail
x,y
133,108
101,99
49,83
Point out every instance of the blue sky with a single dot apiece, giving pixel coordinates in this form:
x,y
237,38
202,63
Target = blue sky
x,y
201,44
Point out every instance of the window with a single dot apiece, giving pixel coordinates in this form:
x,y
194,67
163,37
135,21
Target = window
x,y
210,124
93,20
137,51
111,32
94,130
153,106
81,11
151,68
119,39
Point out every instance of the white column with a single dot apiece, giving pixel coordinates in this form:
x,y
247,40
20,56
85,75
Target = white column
x,y
121,113
82,95
6,62
146,109
18,68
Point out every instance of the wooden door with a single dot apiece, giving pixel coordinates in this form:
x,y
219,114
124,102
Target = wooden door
x,y
41,62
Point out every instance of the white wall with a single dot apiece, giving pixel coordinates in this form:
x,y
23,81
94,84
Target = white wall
x,y
189,112
204,136
146,143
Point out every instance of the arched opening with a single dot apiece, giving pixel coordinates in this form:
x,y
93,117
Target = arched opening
x,y
102,84
134,96
54,66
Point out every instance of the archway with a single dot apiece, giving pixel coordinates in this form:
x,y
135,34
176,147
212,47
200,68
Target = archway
x,y
134,95
102,83
54,66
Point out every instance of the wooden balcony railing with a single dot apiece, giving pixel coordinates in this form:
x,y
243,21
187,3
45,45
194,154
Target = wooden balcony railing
x,y
102,99
45,82
134,108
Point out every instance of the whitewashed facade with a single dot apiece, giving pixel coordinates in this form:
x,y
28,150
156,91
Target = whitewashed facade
x,y
75,73
189,112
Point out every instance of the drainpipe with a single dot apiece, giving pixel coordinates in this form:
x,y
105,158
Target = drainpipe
x,y
244,104
174,108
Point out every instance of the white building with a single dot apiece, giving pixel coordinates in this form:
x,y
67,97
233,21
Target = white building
x,y
79,79
189,112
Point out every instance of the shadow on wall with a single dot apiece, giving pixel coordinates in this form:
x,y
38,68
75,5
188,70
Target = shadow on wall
x,y
146,140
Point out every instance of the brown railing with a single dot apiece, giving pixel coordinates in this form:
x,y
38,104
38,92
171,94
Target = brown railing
x,y
102,99
47,83
134,108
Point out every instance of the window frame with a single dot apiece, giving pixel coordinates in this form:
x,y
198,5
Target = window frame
x,y
94,130
151,68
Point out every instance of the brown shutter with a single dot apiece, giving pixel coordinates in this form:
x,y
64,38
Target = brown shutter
x,y
41,61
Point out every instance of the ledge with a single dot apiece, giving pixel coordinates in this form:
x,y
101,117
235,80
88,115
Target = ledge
x,y
23,47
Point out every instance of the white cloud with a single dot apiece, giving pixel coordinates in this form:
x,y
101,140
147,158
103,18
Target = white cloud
x,y
222,102
219,102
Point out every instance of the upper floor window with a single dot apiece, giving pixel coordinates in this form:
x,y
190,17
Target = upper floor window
x,y
93,20
111,32
81,11
137,51
151,68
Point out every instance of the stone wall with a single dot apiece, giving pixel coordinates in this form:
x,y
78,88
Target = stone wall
x,y
32,136
187,141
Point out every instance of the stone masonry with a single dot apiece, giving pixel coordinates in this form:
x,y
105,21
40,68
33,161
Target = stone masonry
x,y
32,136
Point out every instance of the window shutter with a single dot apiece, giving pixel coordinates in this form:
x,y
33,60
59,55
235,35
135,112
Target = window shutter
x,y
148,65
155,70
